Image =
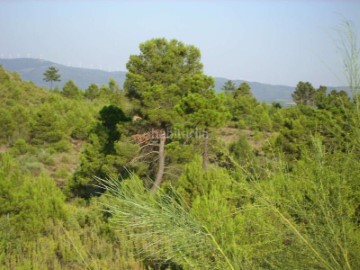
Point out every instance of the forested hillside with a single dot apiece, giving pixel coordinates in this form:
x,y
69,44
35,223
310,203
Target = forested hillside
x,y
168,174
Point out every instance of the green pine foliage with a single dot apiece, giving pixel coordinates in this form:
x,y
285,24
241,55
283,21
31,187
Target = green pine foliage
x,y
160,76
70,90
105,153
229,87
52,75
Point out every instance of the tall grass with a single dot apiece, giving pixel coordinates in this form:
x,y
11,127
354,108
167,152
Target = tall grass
x,y
162,228
317,204
350,53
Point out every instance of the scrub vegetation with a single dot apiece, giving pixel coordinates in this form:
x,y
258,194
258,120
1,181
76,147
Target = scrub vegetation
x,y
168,174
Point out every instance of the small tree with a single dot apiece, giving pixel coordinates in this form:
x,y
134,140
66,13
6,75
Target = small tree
x,y
92,92
304,94
229,87
244,89
70,90
204,112
52,75
320,97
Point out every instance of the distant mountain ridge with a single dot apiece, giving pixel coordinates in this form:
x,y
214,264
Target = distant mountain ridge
x,y
32,70
262,91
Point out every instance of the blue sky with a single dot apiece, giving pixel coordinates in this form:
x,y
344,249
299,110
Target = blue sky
x,y
278,42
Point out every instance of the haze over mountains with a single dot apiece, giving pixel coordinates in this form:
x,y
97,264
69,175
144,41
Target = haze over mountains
x,y
32,70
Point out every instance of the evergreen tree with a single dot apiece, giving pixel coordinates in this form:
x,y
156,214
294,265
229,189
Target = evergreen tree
x,y
70,90
204,112
163,73
244,89
104,155
243,104
110,117
51,75
46,127
320,97
158,79
92,92
229,87
114,86
304,94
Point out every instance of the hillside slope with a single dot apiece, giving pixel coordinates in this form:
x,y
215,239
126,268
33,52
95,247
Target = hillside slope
x,y
33,69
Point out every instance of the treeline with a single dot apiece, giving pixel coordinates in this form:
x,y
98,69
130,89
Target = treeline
x,y
168,174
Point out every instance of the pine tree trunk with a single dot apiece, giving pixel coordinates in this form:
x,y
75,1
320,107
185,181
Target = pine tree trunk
x,y
160,172
206,151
